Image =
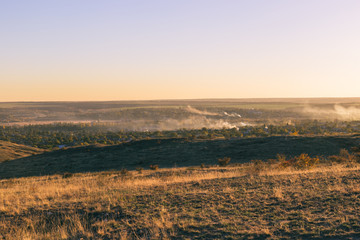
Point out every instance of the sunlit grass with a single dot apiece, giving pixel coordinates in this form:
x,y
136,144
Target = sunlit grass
x,y
189,203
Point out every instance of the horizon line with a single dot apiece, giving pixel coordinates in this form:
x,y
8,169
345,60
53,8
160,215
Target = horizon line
x,y
181,99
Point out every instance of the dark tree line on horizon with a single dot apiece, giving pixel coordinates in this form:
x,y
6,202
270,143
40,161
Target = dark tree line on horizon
x,y
51,136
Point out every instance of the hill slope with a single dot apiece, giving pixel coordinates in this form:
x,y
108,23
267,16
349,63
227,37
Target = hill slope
x,y
214,203
10,151
170,153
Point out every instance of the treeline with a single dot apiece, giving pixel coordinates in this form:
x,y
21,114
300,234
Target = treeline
x,y
65,134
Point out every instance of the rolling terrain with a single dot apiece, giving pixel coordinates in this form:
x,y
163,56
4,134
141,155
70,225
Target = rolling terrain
x,y
10,151
170,153
153,169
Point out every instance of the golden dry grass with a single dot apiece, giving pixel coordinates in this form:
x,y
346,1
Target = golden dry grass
x,y
10,151
184,203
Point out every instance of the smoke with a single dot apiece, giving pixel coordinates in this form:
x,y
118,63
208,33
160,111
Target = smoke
x,y
337,112
199,112
206,113
196,123
172,124
232,114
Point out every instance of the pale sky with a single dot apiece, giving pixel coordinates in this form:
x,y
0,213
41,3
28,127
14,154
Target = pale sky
x,y
127,50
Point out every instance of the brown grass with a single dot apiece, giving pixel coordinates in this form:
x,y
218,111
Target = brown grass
x,y
194,203
10,151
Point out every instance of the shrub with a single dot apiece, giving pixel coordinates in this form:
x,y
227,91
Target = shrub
x,y
257,166
356,149
280,159
67,175
139,169
124,172
154,167
224,161
344,157
356,153
303,161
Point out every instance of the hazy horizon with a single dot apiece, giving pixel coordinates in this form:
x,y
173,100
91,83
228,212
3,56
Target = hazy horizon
x,y
259,99
161,50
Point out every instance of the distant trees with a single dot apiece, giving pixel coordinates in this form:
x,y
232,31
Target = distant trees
x,y
53,135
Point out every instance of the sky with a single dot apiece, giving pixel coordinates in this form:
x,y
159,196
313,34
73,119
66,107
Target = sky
x,y
91,50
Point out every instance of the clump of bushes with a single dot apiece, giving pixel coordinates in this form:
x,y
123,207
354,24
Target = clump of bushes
x,y
257,166
224,161
303,161
154,167
67,175
345,157
124,172
139,169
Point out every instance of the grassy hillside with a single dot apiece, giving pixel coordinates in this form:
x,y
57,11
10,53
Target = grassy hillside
x,y
10,151
196,203
170,153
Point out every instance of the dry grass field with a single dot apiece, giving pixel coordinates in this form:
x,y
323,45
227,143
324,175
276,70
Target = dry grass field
x,y
10,151
233,202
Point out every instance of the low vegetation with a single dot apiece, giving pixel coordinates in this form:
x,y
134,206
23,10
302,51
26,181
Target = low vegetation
x,y
10,151
224,161
304,198
197,169
168,153
53,136
154,167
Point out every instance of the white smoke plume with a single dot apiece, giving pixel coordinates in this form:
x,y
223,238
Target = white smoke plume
x,y
196,123
338,112
199,112
171,124
232,114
